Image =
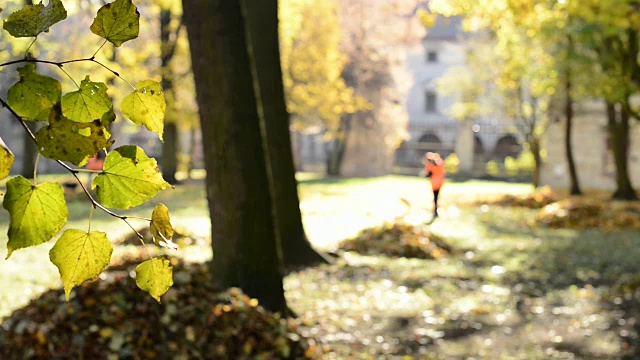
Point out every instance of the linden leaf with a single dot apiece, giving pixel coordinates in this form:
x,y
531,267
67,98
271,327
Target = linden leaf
x,y
161,228
37,213
32,20
80,256
129,178
33,96
117,22
6,160
146,106
89,103
70,141
154,276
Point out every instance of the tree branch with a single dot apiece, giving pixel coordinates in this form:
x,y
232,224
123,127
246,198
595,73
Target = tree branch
x,y
73,171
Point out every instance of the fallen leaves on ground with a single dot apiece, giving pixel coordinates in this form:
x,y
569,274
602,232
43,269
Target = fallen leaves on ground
x,y
398,240
112,319
534,200
589,214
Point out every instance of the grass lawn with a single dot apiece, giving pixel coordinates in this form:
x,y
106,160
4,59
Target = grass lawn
x,y
512,291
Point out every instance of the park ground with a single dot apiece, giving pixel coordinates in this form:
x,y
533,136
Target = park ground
x,y
510,288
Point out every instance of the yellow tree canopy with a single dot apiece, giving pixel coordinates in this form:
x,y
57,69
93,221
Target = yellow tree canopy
x,y
312,64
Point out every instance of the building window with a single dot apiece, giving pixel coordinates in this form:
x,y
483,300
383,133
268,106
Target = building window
x,y
430,102
432,56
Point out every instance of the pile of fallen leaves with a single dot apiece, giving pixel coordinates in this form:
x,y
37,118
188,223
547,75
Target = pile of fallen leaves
x,y
590,214
534,200
398,240
113,319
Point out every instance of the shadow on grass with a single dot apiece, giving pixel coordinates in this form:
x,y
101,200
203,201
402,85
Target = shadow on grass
x,y
557,270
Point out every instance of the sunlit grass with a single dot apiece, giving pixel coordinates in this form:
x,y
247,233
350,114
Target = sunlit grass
x,y
333,209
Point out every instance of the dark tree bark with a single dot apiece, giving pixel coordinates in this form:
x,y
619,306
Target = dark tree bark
x,y
170,136
618,126
261,19
244,241
568,111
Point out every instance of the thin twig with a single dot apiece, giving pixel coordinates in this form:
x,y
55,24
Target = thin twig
x,y
60,64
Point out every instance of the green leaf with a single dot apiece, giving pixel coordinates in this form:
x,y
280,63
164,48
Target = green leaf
x,y
146,106
37,213
108,118
6,160
89,103
33,96
161,228
154,276
117,22
70,141
32,20
129,178
80,256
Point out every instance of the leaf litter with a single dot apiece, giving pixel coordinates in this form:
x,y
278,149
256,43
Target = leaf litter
x,y
111,319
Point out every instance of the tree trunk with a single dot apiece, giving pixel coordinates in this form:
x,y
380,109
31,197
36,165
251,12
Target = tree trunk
x,y
537,161
244,241
170,144
568,110
297,153
618,126
29,152
336,155
261,18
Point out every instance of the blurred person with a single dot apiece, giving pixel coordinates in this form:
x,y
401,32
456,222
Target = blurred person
x,y
434,169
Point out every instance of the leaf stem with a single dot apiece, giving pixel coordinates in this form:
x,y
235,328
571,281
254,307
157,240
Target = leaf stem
x,y
100,48
113,72
35,169
141,238
139,218
87,171
26,52
91,217
69,76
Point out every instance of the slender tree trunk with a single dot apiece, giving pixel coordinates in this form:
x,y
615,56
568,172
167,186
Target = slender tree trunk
x,y
196,146
537,161
568,110
297,153
618,125
170,144
261,18
244,241
336,155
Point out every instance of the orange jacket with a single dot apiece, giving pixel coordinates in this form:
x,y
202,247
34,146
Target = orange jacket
x,y
436,169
